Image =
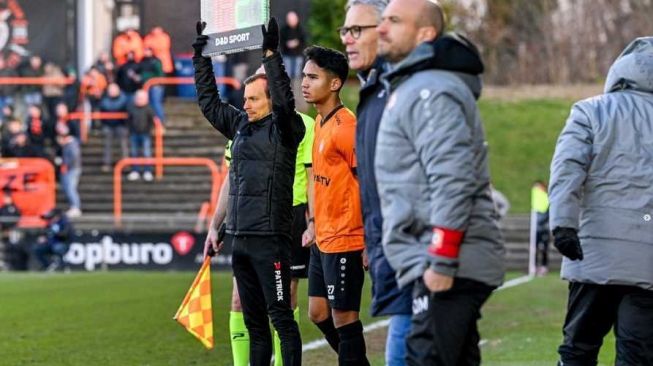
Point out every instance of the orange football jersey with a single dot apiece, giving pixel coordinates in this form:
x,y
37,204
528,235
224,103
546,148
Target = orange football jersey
x,y
338,216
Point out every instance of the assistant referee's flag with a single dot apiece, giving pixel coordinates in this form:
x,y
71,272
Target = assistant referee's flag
x,y
196,313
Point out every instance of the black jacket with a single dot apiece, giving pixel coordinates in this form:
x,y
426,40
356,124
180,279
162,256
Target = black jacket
x,y
288,34
8,90
263,153
387,298
128,77
140,120
26,70
60,230
9,216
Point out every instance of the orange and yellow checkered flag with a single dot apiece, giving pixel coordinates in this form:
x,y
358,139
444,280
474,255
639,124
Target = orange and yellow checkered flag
x,y
196,313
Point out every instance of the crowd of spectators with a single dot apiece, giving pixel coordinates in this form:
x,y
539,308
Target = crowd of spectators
x,y
34,119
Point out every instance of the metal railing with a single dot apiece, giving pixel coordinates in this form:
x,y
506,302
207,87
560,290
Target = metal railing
x,y
26,80
182,80
158,160
158,130
217,176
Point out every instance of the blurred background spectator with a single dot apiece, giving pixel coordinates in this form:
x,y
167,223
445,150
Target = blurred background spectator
x,y
71,91
540,207
37,129
21,147
128,77
32,94
150,67
14,127
62,119
71,169
293,41
105,66
51,247
7,92
159,41
14,256
127,42
92,88
113,101
52,93
9,215
141,124
7,114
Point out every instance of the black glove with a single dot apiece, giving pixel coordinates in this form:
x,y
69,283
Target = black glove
x,y
201,39
566,240
271,36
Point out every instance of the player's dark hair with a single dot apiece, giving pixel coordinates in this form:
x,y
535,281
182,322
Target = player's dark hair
x,y
330,60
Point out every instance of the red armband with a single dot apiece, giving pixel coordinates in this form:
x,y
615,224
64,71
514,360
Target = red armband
x,y
446,242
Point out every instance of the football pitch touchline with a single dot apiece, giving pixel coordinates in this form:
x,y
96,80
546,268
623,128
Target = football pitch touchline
x,y
319,343
515,282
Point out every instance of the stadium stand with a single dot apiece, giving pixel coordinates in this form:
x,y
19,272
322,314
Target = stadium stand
x,y
516,235
174,200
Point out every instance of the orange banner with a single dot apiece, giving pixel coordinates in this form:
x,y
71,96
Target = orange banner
x,y
32,185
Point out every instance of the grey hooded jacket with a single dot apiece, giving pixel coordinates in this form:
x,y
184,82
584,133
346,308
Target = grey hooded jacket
x,y
431,169
602,176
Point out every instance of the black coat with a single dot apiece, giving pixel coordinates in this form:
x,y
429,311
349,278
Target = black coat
x,y
8,90
9,216
387,298
140,120
288,34
128,77
263,156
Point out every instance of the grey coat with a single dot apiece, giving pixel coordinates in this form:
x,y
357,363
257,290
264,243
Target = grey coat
x,y
602,175
431,169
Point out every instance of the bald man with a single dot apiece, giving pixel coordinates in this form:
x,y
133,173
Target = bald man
x,y
439,223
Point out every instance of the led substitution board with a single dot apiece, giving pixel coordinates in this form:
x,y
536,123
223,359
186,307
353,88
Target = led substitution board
x,y
233,25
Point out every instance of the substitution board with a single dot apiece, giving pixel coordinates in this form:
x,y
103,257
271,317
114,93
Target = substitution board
x,y
233,25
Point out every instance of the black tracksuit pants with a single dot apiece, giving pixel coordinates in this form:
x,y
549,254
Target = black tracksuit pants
x,y
261,265
443,327
595,309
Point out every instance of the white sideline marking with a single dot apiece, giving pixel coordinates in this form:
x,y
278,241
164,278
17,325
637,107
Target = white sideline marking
x,y
319,343
515,282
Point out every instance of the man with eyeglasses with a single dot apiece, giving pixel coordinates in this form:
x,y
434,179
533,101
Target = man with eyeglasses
x,y
355,30
359,37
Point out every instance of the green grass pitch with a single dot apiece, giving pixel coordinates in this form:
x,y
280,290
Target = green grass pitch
x,y
115,318
125,318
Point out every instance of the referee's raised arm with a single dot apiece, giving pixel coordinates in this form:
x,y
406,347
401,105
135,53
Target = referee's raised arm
x,y
223,116
290,122
259,217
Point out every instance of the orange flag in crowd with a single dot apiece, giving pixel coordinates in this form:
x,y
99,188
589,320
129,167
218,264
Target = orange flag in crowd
x,y
196,313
